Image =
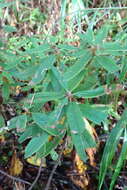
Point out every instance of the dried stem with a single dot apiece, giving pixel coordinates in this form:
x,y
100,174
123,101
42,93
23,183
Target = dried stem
x,y
54,168
14,178
37,177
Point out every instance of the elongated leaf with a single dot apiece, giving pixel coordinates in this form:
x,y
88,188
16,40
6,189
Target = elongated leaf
x,y
59,77
44,97
18,122
3,5
41,70
121,159
63,10
54,116
88,37
112,46
100,91
78,66
67,47
42,119
49,146
124,70
26,74
80,135
9,29
37,50
95,113
30,131
55,83
107,63
102,33
48,122
5,91
111,145
35,144
2,122
73,83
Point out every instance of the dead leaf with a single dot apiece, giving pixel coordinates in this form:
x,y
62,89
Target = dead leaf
x,y
2,139
91,151
81,178
36,161
19,186
90,129
67,151
16,165
80,166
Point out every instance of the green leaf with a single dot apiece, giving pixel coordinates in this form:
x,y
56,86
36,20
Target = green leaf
x,y
3,5
121,159
9,29
55,115
102,33
60,78
40,49
100,91
88,37
74,83
41,70
8,76
5,91
78,66
18,122
110,147
26,74
44,97
95,113
123,72
107,63
54,155
80,135
113,48
48,122
35,144
63,11
31,131
57,87
67,47
49,146
42,120
2,122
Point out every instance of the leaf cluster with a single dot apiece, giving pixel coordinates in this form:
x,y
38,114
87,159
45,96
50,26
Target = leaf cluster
x,y
58,87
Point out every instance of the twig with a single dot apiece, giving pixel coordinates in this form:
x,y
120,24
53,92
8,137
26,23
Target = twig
x,y
54,169
14,178
37,177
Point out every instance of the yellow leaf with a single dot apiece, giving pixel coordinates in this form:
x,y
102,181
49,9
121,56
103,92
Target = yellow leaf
x,y
36,161
90,129
67,151
19,186
62,120
16,165
91,151
81,167
82,179
2,139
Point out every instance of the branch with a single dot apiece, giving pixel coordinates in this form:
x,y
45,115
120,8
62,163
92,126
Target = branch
x,y
14,178
37,177
54,168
